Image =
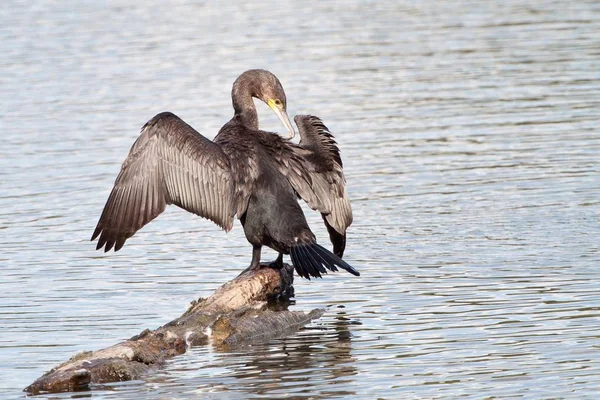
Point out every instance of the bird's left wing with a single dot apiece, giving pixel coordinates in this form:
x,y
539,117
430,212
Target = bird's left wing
x,y
314,170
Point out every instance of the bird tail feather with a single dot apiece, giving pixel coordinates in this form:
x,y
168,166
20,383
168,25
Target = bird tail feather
x,y
311,259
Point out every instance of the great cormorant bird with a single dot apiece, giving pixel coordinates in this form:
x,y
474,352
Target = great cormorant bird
x,y
247,172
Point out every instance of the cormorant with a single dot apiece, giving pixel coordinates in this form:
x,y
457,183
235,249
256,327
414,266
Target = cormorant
x,y
247,172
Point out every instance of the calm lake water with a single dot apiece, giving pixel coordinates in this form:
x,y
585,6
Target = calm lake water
x,y
470,136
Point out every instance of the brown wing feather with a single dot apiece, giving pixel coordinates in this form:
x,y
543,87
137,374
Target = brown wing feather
x,y
170,163
314,169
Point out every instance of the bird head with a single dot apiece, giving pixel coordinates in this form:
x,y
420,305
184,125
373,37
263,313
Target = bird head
x,y
265,86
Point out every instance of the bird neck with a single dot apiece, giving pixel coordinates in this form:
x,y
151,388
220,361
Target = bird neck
x,y
245,110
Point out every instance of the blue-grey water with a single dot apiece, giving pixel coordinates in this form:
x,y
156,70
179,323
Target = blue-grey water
x,y
471,142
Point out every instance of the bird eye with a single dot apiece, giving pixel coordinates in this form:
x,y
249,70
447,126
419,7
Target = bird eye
x,y
277,102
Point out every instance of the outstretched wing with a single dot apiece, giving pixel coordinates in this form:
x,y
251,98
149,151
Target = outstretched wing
x,y
169,163
329,194
322,184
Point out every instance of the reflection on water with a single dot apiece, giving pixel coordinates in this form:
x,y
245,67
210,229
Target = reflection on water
x,y
281,367
469,132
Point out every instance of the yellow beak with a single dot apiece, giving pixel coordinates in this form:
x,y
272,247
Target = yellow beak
x,y
282,116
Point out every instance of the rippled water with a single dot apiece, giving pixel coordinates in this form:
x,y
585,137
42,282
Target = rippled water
x,y
469,132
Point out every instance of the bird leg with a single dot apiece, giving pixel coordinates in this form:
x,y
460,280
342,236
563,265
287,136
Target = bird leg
x,y
278,263
255,263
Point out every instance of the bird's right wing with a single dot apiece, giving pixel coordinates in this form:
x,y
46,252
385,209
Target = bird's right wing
x,y
170,163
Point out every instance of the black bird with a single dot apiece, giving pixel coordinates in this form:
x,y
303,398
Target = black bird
x,y
247,172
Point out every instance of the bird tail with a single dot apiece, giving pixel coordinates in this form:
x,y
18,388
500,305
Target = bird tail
x,y
311,259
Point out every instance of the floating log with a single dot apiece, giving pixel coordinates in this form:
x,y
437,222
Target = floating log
x,y
236,314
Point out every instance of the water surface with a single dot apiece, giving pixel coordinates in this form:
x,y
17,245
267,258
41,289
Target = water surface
x,y
469,133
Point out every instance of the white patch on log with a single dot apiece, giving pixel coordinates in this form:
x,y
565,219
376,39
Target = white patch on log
x,y
187,338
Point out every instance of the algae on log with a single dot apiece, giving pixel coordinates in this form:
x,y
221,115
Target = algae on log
x,y
235,314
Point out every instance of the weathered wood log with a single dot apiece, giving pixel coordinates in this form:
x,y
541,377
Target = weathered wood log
x,y
235,314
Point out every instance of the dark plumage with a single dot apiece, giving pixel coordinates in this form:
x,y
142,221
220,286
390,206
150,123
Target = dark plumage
x,y
328,194
253,174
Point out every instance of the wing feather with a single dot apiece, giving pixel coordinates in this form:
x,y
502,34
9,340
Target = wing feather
x,y
170,163
326,190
